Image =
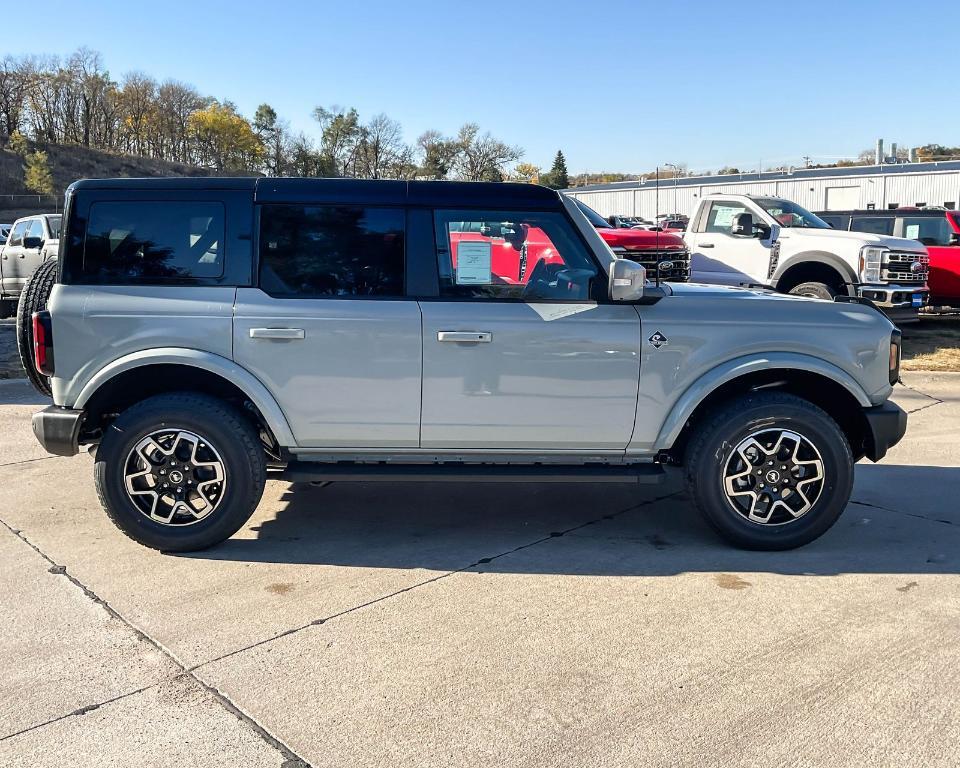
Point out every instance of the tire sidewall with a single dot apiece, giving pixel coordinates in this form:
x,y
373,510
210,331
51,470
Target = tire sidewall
x,y
820,430
814,290
231,513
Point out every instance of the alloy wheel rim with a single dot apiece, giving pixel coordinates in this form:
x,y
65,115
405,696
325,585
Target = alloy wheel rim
x,y
773,477
175,477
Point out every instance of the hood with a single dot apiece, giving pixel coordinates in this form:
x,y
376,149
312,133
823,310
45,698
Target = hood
x,y
867,238
730,292
639,239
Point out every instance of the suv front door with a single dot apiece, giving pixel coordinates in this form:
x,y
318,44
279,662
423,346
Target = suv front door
x,y
719,256
529,364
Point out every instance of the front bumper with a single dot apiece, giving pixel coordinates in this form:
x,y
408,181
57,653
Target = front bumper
x,y
58,430
886,426
898,302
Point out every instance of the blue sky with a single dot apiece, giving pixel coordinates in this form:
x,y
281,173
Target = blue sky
x,y
616,85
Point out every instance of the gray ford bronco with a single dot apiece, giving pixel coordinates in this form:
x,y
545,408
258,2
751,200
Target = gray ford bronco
x,y
201,336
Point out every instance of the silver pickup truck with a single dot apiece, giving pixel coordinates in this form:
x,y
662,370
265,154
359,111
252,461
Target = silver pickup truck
x,y
203,335
30,241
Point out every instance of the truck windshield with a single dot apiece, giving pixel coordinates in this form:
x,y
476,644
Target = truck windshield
x,y
595,218
789,214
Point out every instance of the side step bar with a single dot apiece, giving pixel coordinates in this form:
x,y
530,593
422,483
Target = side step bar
x,y
309,471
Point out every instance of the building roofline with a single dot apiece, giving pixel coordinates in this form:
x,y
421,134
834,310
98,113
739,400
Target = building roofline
x,y
797,173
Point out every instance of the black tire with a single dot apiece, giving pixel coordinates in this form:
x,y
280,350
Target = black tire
x,y
715,443
36,292
223,428
815,290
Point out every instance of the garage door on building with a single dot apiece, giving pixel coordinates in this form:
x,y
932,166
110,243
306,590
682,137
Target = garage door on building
x,y
843,198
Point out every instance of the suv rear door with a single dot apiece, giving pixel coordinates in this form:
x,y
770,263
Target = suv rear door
x,y
537,364
330,330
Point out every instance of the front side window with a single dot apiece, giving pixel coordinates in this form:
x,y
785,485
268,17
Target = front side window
x,y
36,230
788,214
53,224
328,251
19,230
929,230
529,256
722,216
153,242
876,225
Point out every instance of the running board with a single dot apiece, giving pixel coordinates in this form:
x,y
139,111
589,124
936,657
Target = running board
x,y
309,471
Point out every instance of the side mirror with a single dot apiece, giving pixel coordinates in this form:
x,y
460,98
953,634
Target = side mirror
x,y
742,225
761,231
627,279
33,243
955,238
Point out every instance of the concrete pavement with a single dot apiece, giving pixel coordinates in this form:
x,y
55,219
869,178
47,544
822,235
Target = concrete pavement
x,y
478,624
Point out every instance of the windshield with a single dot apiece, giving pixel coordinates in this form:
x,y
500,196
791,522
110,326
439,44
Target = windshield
x,y
54,223
789,214
595,218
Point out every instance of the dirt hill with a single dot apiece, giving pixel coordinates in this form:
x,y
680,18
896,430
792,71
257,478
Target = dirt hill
x,y
69,163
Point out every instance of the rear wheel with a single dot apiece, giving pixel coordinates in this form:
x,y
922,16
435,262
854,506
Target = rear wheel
x,y
180,472
36,293
815,290
770,471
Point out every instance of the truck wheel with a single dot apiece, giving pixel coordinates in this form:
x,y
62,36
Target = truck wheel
x,y
180,472
770,471
34,298
815,291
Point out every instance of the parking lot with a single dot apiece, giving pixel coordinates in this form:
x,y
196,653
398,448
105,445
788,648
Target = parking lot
x,y
418,624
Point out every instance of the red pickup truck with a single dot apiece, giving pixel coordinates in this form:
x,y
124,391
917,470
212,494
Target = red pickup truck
x,y
937,229
644,247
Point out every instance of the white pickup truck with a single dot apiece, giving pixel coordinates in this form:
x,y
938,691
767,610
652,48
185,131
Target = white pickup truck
x,y
32,240
746,239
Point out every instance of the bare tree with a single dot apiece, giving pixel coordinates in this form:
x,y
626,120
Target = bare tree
x,y
483,158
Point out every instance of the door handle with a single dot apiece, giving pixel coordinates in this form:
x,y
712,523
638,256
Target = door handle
x,y
465,337
282,334
23,255
706,245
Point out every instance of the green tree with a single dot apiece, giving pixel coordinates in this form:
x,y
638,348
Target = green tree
x,y
36,174
557,177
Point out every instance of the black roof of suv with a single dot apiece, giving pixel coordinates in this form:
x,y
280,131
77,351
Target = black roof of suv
x,y
467,193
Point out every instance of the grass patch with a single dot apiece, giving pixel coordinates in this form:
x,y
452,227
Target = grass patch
x,y
933,344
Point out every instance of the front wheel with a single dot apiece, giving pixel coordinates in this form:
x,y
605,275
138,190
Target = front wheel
x,y
180,472
814,290
770,471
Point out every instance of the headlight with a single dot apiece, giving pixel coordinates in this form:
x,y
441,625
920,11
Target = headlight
x,y
870,260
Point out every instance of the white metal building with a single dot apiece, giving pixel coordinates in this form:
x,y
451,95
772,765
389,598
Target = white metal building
x,y
817,189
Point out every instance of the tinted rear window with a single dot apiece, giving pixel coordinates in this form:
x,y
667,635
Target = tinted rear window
x,y
153,242
876,225
331,250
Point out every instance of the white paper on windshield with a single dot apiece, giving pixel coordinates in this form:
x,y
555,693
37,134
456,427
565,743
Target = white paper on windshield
x,y
913,232
555,311
724,217
473,264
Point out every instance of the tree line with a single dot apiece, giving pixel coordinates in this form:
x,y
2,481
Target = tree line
x,y
76,101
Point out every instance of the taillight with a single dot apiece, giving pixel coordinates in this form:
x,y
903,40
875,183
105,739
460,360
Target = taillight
x,y
43,343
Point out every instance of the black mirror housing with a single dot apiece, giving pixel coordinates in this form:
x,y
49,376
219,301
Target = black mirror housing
x,y
33,243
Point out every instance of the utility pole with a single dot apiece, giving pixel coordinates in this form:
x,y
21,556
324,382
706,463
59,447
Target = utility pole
x,y
676,173
806,161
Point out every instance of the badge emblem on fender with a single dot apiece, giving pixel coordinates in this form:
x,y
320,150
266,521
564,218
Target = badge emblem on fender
x,y
658,340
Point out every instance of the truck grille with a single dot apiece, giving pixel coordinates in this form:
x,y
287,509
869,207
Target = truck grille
x,y
897,268
678,272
